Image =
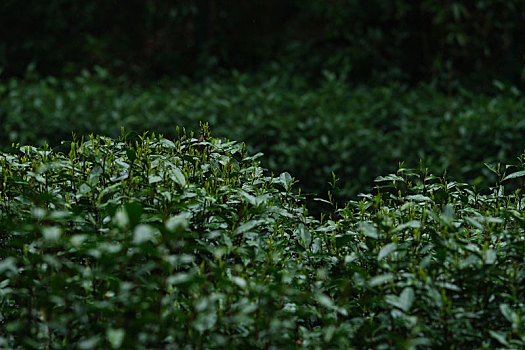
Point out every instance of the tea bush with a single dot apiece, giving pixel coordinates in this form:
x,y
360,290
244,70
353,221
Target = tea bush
x,y
152,242
357,132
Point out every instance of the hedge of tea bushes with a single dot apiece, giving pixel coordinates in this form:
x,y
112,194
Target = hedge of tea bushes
x,y
357,132
152,242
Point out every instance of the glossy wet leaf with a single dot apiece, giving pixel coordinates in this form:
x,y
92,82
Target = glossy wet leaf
x,y
286,180
515,175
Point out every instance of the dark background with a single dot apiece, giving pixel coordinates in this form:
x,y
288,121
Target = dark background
x,y
471,42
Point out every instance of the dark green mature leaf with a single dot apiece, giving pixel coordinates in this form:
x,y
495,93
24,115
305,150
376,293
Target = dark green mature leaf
x,y
134,211
132,155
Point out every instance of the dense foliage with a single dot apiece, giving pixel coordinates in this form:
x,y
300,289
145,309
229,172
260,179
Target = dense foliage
x,y
357,132
472,41
184,241
148,242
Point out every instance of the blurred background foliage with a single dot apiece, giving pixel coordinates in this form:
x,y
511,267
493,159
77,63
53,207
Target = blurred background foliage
x,y
358,132
471,41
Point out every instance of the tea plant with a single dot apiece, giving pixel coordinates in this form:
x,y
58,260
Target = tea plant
x,y
148,242
431,263
145,242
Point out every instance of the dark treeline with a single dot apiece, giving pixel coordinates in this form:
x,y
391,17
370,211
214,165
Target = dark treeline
x,y
469,41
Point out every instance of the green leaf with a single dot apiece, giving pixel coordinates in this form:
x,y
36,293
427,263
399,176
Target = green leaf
x,y
154,179
492,168
498,84
8,264
508,313
77,240
205,321
514,175
419,198
121,218
447,215
305,237
51,233
95,174
489,256
167,143
90,343
178,223
322,201
247,197
247,226
84,189
499,336
406,298
381,279
474,222
325,301
286,180
368,230
386,251
403,301
179,278
143,233
409,224
115,337
177,176
239,281
391,177
449,286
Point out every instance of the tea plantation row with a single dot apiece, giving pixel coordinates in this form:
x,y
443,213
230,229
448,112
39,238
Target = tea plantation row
x,y
357,132
150,242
